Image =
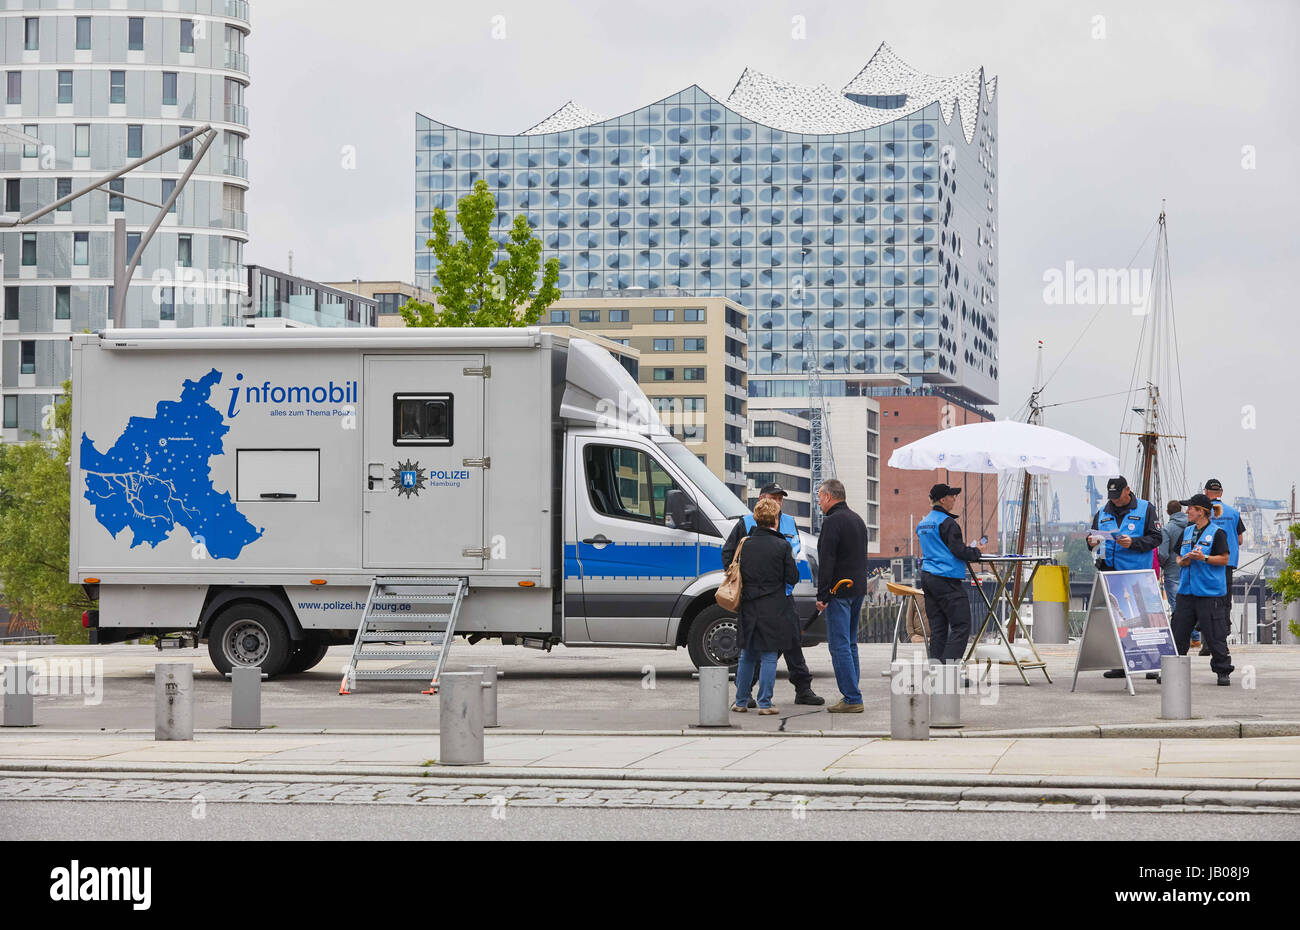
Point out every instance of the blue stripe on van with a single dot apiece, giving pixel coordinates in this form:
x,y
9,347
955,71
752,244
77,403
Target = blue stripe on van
x,y
649,560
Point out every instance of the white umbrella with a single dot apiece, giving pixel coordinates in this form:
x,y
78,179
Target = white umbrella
x,y
1005,445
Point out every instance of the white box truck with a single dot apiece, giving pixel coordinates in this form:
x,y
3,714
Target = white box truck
x,y
248,485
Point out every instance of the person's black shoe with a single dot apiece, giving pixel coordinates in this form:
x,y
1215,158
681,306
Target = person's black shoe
x,y
1225,680
752,703
1153,676
808,697
1205,649
1113,673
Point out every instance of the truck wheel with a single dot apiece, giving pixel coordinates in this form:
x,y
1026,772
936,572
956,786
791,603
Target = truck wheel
x,y
714,638
249,634
308,655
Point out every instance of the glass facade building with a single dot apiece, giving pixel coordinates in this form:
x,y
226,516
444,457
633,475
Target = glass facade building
x,y
101,82
858,226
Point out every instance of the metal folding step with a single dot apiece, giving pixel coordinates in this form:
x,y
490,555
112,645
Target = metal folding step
x,y
420,640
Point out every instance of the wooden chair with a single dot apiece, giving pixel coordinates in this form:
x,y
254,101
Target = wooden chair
x,y
909,599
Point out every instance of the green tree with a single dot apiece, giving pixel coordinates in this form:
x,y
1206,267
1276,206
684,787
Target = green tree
x,y
1287,582
471,291
1079,558
34,518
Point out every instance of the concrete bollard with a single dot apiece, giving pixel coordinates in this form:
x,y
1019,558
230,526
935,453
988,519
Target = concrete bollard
x,y
715,706
489,673
245,697
909,704
1175,687
173,701
19,701
945,695
460,713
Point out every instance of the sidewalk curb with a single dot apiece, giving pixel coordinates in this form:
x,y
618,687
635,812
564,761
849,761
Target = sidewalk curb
x,y
1190,729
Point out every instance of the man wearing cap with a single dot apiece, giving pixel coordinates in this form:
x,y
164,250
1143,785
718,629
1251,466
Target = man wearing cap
x,y
1229,520
1201,588
1136,532
799,674
944,555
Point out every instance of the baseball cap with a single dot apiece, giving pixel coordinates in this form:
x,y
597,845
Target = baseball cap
x,y
1213,484
1115,487
1198,500
940,491
773,488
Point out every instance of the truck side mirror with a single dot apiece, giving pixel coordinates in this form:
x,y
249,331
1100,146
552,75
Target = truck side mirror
x,y
680,509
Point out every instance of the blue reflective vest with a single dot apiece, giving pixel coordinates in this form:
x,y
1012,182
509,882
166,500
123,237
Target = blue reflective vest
x,y
791,533
1227,521
1116,556
936,557
1201,578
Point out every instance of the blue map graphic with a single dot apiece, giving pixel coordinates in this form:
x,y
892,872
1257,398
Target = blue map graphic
x,y
156,476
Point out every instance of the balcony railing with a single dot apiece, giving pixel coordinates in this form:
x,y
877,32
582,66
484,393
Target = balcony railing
x,y
236,114
237,9
236,61
234,219
236,167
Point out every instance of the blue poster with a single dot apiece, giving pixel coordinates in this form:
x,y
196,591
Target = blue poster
x,y
1140,618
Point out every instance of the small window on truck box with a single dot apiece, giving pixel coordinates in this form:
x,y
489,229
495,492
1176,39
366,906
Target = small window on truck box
x,y
422,419
271,475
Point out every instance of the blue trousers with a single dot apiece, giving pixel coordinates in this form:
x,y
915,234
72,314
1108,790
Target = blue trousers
x,y
842,615
766,663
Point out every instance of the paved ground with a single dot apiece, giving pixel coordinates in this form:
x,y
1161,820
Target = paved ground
x,y
632,689
628,818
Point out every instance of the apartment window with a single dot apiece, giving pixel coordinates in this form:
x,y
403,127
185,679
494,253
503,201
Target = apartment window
x,y
169,88
135,34
622,342
116,204
134,141
187,150
765,428
83,32
693,345
30,151
559,316
27,363
117,87
13,195
132,245
692,374
63,303
83,140
693,404
664,345
15,87
29,248
81,248
11,412
664,316
11,303
184,251
167,303
588,316
693,315
168,188
187,35
663,374
661,404
618,316
32,33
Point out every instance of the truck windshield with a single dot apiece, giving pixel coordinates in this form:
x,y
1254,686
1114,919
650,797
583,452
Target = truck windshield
x,y
709,484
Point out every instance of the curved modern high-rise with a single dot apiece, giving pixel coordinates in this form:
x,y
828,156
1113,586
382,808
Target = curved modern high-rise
x,y
100,83
858,225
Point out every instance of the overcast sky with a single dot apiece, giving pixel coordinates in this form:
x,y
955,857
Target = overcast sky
x,y
1098,121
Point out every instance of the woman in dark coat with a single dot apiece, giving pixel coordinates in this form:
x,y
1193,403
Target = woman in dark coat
x,y
768,625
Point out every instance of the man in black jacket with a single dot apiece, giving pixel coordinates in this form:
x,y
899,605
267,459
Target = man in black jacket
x,y
841,586
799,674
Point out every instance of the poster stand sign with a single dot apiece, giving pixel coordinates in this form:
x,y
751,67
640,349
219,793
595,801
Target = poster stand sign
x,y
1127,626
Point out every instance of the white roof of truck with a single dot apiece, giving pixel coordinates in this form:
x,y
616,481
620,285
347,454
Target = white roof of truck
x,y
235,337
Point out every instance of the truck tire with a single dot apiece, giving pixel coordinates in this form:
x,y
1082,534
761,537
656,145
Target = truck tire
x,y
248,633
714,638
308,655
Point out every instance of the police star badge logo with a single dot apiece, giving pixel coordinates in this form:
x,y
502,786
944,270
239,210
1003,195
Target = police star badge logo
x,y
408,478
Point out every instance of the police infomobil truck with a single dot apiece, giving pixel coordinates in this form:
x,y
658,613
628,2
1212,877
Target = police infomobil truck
x,y
248,485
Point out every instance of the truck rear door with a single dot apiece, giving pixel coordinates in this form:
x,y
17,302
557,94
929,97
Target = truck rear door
x,y
423,476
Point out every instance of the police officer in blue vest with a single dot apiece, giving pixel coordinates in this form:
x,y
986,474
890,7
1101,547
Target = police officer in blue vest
x,y
944,555
800,675
1202,586
1128,531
